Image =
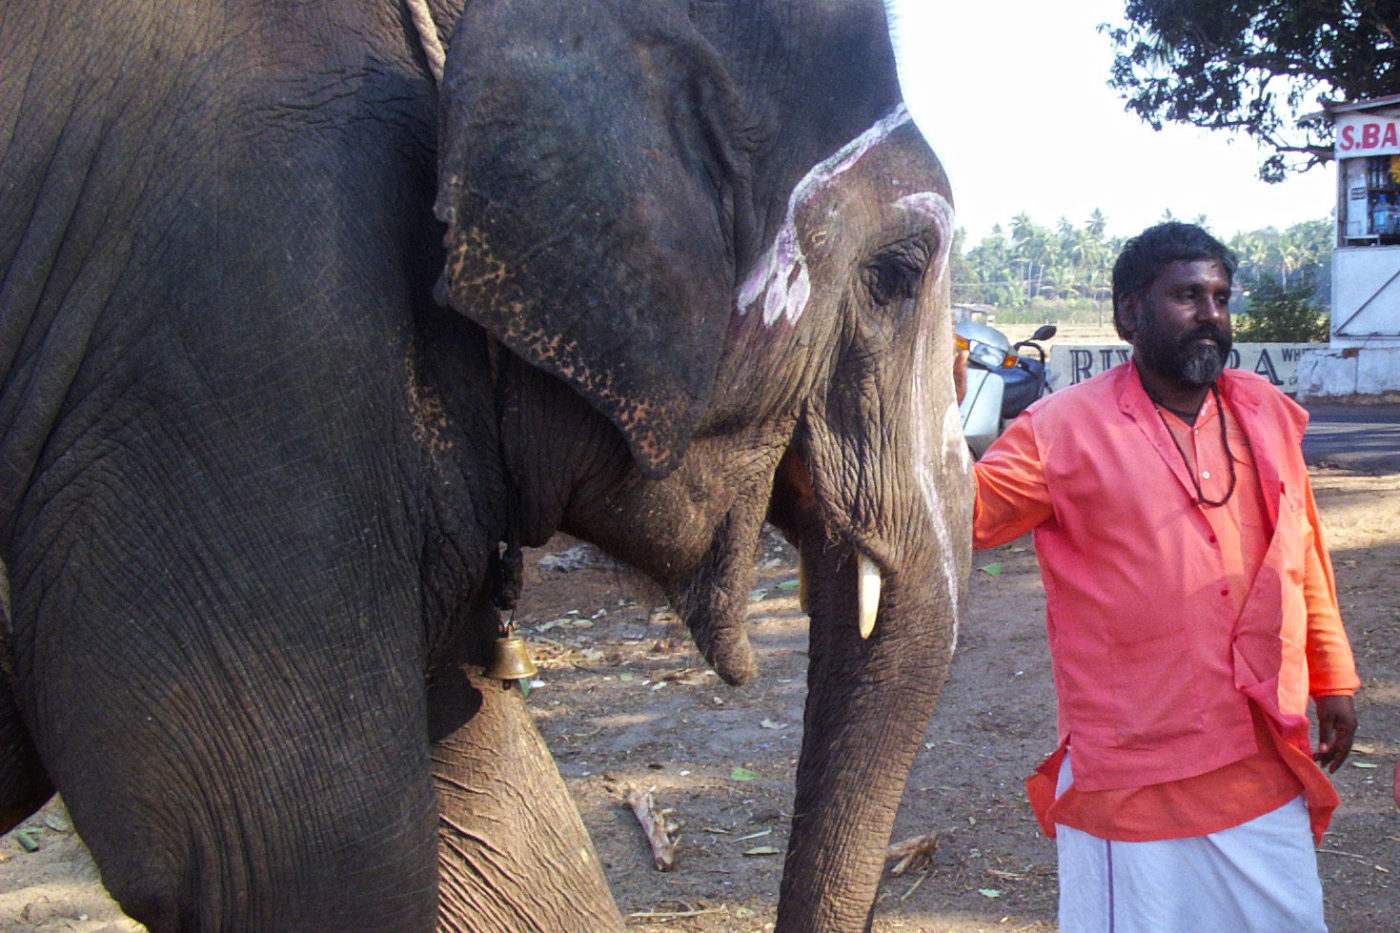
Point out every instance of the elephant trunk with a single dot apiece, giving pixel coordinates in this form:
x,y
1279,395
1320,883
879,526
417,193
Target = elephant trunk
x,y
869,702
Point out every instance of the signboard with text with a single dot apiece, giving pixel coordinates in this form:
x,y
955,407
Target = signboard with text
x,y
1359,134
1276,362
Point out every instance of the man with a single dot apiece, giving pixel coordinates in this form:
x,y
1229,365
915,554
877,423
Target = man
x,y
1191,612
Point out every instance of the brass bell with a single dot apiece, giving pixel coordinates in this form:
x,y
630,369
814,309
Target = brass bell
x,y
511,660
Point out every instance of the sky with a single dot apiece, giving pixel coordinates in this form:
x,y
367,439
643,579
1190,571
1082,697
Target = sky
x,y
1013,97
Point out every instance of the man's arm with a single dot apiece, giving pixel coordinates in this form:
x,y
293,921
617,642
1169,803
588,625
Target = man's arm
x,y
1012,497
1331,668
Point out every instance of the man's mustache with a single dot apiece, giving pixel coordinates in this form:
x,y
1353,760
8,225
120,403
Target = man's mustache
x,y
1206,332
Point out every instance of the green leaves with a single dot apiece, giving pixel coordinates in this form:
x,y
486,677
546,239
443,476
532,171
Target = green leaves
x,y
1033,273
1279,314
1255,65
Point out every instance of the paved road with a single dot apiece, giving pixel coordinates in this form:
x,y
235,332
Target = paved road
x,y
1364,438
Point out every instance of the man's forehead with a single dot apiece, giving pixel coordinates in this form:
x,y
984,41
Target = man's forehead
x,y
1190,270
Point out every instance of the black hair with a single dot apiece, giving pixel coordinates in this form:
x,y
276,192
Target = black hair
x,y
1147,254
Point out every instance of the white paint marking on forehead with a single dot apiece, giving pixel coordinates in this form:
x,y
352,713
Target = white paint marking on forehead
x,y
925,464
781,275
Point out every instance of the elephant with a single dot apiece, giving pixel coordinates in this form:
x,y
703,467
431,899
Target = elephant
x,y
300,346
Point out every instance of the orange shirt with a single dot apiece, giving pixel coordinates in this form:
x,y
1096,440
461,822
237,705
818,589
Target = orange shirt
x,y
1246,788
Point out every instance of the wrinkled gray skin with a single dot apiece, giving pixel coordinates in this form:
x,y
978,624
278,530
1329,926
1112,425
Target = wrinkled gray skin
x,y
252,476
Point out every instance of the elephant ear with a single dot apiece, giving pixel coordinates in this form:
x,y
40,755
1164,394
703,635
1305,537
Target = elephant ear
x,y
589,183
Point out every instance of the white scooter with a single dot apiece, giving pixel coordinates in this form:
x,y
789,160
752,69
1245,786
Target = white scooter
x,y
1001,380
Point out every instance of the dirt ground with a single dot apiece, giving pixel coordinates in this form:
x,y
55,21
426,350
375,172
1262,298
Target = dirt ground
x,y
623,699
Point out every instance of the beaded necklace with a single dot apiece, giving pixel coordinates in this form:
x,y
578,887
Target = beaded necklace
x,y
1224,442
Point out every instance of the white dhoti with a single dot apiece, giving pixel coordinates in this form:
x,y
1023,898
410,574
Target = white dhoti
x,y
1258,877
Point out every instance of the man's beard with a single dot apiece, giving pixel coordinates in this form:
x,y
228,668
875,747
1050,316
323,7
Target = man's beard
x,y
1184,360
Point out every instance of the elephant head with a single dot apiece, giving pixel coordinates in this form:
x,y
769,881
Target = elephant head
x,y
711,234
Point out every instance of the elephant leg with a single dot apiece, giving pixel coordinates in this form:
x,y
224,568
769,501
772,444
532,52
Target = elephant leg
x,y
237,789
515,855
343,842
24,786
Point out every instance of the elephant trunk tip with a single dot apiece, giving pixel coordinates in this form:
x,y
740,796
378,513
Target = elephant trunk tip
x,y
733,661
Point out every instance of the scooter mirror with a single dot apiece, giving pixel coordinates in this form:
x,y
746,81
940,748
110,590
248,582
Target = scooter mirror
x,y
1044,332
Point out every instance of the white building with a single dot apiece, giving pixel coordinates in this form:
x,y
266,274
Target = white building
x,y
1363,356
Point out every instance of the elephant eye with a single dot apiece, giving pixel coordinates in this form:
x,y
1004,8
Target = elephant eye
x,y
892,275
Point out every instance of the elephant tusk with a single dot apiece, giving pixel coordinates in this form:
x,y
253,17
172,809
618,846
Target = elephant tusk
x,y
868,583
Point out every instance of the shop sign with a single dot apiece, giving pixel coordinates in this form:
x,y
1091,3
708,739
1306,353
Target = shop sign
x,y
1362,135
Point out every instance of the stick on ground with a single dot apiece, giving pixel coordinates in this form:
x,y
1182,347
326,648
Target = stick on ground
x,y
912,853
656,825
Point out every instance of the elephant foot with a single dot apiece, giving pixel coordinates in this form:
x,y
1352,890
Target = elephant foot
x,y
514,853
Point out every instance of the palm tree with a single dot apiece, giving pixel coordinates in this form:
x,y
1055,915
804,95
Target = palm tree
x,y
1096,225
1290,258
1033,246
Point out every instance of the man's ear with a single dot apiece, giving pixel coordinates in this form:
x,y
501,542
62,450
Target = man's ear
x,y
1128,316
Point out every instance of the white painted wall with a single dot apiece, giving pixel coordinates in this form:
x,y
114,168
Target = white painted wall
x,y
1339,372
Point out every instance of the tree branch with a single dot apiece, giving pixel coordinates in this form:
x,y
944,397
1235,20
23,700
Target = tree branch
x,y
657,826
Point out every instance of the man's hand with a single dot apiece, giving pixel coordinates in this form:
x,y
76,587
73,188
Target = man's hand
x,y
1336,727
960,372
